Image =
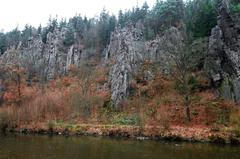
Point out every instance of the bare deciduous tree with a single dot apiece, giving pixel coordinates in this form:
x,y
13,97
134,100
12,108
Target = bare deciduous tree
x,y
177,50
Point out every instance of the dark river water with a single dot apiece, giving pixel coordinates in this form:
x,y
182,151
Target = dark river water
x,y
44,147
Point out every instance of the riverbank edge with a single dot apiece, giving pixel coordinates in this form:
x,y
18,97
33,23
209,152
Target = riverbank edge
x,y
172,134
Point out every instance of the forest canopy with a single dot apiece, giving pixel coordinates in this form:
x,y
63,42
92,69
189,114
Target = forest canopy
x,y
200,16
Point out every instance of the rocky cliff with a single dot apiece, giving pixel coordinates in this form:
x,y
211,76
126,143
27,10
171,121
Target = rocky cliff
x,y
46,60
164,48
128,50
223,61
125,54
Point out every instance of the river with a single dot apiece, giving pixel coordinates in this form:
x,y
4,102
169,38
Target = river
x,y
57,147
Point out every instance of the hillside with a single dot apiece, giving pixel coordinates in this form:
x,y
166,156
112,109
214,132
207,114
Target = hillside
x,y
165,72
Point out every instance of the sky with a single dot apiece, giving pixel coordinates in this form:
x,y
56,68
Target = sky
x,y
15,13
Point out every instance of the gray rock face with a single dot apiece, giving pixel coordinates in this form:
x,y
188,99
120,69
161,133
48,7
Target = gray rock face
x,y
44,60
214,59
162,49
223,61
127,51
55,55
74,56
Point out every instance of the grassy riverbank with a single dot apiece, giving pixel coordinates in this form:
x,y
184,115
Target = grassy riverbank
x,y
223,135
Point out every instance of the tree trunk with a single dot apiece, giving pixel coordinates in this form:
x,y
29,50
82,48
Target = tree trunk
x,y
19,89
188,113
187,108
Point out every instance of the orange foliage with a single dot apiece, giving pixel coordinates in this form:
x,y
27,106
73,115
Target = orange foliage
x,y
15,85
155,100
164,105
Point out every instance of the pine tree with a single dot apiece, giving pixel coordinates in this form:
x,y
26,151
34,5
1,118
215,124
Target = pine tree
x,y
3,43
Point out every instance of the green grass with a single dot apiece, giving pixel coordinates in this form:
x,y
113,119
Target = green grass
x,y
124,119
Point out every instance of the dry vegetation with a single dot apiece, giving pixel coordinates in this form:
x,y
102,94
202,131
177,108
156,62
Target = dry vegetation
x,y
83,97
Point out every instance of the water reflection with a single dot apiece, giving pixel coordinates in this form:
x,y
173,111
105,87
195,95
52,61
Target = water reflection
x,y
44,147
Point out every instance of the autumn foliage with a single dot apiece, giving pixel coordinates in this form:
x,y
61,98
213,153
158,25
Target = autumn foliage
x,y
83,96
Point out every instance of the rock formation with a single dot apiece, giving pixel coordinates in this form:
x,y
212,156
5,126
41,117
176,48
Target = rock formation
x,y
223,61
127,51
162,49
49,60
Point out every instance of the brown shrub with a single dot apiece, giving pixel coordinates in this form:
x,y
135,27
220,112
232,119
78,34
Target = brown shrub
x,y
44,107
235,118
85,106
8,118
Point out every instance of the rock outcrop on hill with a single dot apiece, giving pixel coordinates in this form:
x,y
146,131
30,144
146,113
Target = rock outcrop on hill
x,y
125,54
163,49
223,61
127,51
47,60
